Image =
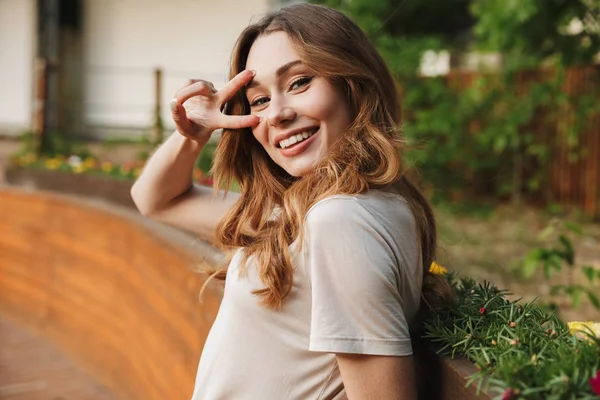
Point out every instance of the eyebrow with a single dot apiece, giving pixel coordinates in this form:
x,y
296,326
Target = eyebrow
x,y
280,71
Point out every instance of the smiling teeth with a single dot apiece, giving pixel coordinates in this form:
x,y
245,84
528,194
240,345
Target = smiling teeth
x,y
294,139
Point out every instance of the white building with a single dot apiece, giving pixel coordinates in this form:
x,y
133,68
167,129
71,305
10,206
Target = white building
x,y
109,50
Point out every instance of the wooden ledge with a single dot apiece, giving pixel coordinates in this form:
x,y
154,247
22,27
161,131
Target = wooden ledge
x,y
116,291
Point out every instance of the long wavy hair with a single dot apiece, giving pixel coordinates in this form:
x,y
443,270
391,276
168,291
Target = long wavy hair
x,y
367,156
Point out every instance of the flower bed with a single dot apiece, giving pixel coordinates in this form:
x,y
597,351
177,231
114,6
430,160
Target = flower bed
x,y
82,176
520,352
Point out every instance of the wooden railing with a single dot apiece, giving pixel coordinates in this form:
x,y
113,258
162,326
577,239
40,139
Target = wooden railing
x,y
117,293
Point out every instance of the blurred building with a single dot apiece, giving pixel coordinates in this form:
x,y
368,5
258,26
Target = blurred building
x,y
102,57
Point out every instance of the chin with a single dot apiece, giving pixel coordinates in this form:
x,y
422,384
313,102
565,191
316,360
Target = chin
x,y
299,171
296,173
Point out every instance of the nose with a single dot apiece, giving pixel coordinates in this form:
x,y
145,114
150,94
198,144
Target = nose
x,y
280,113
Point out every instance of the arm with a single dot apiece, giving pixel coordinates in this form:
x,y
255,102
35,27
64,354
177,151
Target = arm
x,y
377,377
358,306
165,190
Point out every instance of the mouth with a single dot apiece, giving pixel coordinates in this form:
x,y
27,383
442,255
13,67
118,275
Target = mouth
x,y
297,139
297,148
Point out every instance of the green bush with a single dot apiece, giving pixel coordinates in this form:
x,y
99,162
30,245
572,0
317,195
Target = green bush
x,y
520,351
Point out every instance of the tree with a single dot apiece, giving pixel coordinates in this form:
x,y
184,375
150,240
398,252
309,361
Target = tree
x,y
526,32
530,32
403,29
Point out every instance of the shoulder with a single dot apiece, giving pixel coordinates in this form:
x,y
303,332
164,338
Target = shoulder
x,y
332,208
373,207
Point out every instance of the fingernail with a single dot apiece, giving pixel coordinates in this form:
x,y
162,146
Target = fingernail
x,y
174,103
253,72
260,119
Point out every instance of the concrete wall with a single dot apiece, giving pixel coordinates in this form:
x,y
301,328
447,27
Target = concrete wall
x,y
17,50
124,40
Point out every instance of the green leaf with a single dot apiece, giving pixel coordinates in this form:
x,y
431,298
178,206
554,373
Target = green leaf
x,y
568,253
532,262
549,230
573,227
552,262
547,270
590,272
594,299
575,295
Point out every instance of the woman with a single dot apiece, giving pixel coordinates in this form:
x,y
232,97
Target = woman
x,y
330,241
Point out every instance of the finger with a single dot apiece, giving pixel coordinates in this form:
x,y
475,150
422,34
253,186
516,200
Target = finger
x,y
197,88
238,121
180,118
234,85
188,83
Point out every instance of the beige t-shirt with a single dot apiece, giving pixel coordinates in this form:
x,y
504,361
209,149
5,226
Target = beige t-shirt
x,y
357,286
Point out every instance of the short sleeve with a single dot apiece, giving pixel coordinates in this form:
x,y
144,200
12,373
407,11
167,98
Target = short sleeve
x,y
353,273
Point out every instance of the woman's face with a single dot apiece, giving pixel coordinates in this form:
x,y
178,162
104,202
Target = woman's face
x,y
302,113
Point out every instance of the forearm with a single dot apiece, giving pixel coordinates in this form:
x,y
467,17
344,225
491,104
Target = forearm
x,y
377,377
167,174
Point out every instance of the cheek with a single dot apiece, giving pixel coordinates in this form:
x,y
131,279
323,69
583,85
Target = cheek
x,y
260,135
330,106
340,113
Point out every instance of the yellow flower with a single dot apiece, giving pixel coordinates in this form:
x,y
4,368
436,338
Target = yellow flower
x,y
27,159
89,163
78,169
437,269
580,329
107,166
52,163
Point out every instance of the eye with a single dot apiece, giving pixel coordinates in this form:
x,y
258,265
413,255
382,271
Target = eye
x,y
259,101
298,83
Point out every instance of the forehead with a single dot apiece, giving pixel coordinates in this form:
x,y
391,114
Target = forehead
x,y
269,52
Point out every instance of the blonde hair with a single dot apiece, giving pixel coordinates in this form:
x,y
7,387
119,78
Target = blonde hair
x,y
366,157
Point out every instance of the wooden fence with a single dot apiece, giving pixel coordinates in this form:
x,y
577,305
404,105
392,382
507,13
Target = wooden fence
x,y
572,174
576,181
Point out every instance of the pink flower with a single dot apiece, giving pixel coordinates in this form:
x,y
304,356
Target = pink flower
x,y
595,383
482,311
510,394
507,394
206,180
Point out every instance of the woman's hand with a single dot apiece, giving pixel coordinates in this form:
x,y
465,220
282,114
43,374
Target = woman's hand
x,y
196,108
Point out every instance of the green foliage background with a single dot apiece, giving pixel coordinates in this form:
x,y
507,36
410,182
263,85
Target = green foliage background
x,y
483,136
484,133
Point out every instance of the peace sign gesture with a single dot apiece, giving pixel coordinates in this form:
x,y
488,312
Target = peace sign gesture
x,y
196,108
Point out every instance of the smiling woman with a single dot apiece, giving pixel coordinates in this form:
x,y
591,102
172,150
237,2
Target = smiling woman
x,y
329,242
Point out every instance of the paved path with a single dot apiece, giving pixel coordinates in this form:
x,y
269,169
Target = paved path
x,y
33,369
